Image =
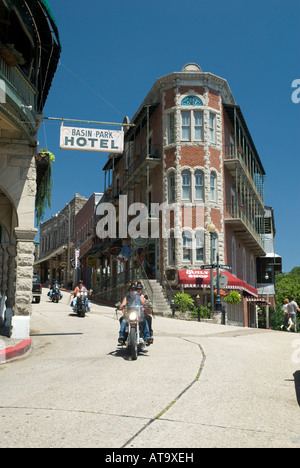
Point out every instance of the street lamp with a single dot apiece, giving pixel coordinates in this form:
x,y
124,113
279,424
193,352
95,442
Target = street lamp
x,y
211,229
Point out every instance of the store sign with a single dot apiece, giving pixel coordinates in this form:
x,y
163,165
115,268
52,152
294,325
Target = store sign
x,y
77,261
91,139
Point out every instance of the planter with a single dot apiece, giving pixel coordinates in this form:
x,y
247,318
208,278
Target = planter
x,y
42,159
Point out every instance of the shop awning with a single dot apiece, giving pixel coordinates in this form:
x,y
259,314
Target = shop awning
x,y
193,279
260,301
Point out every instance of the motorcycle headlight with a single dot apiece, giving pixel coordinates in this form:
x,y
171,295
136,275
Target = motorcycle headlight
x,y
132,316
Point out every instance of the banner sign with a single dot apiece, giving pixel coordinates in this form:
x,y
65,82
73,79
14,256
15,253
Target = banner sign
x,y
77,261
91,139
125,254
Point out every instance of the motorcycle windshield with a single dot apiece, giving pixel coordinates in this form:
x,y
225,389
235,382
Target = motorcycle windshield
x,y
134,303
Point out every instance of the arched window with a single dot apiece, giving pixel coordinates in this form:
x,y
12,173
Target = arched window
x,y
171,187
199,185
186,185
200,245
187,245
191,101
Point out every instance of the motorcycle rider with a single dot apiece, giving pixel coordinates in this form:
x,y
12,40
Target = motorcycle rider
x,y
54,283
148,317
131,296
78,289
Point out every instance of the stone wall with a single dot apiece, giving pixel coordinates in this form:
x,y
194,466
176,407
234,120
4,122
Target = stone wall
x,y
17,208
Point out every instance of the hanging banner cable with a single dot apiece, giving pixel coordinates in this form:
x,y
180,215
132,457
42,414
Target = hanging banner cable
x,y
58,119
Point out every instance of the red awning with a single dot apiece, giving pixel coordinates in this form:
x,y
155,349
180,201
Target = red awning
x,y
191,279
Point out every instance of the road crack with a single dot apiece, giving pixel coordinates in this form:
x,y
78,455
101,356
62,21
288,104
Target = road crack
x,y
170,405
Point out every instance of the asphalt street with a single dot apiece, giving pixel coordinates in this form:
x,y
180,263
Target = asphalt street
x,y
199,386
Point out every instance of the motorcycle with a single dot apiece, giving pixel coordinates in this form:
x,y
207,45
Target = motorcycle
x,y
134,315
56,294
81,307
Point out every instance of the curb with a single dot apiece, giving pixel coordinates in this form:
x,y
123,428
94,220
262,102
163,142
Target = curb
x,y
11,353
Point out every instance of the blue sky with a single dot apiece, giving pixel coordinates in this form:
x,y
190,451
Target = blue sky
x,y
113,52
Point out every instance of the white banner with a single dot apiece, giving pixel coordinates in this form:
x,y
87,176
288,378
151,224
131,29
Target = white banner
x,y
91,139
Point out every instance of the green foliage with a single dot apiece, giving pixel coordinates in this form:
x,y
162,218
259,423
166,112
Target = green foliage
x,y
204,312
44,191
184,302
233,298
288,285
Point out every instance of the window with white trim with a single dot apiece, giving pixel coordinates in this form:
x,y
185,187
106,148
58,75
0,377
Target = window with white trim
x,y
199,240
199,185
187,246
186,185
212,127
171,187
171,128
192,125
213,187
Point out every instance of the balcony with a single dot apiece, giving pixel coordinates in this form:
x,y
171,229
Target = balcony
x,y
235,162
247,227
19,106
138,167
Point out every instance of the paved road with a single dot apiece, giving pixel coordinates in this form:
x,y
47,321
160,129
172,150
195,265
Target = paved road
x,y
199,385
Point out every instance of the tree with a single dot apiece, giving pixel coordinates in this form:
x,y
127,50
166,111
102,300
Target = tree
x,y
287,285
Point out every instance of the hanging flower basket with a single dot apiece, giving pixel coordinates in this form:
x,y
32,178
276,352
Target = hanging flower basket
x,y
44,188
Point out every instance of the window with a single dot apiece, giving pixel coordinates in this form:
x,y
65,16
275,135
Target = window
x,y
199,246
171,245
212,128
171,187
187,246
192,126
191,101
171,128
186,126
198,126
199,185
186,185
213,187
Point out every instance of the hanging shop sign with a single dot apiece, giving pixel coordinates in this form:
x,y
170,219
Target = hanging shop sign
x,y
91,139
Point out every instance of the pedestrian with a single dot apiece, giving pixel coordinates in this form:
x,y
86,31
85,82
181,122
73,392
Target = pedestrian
x,y
285,311
292,310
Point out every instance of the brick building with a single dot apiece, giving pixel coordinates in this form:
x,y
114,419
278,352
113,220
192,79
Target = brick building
x,y
190,148
85,239
57,244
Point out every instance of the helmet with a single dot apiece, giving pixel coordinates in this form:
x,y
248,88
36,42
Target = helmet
x,y
132,286
139,285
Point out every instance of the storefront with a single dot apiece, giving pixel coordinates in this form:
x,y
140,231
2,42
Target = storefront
x,y
198,283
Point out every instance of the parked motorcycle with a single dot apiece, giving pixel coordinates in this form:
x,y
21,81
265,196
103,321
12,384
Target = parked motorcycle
x,y
134,337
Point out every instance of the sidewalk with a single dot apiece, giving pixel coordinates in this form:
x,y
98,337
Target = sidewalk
x,y
11,349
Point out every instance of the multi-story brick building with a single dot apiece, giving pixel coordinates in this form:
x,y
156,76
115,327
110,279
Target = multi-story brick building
x,y
190,148
57,244
85,238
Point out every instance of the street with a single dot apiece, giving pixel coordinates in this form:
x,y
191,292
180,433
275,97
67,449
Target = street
x,y
200,385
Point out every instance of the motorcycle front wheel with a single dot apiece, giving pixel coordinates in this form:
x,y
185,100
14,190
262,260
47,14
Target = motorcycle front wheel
x,y
133,344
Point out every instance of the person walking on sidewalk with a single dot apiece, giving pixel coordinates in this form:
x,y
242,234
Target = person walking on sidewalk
x,y
285,311
292,310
